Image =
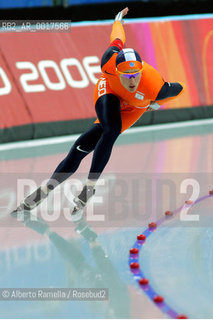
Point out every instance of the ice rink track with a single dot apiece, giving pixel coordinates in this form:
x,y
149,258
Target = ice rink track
x,y
153,170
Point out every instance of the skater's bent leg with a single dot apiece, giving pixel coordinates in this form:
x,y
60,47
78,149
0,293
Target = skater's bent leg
x,y
108,111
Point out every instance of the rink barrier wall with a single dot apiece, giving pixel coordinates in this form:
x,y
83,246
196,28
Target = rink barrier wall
x,y
61,128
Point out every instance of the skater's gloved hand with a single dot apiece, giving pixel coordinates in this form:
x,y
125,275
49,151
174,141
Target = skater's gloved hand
x,y
121,14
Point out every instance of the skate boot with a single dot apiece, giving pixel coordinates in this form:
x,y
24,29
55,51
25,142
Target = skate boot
x,y
81,201
30,202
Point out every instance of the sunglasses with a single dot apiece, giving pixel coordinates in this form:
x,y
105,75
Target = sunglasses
x,y
130,75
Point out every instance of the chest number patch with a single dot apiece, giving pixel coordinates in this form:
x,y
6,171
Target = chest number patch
x,y
102,87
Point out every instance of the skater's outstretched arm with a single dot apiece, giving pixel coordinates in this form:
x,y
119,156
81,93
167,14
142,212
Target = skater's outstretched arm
x,y
117,41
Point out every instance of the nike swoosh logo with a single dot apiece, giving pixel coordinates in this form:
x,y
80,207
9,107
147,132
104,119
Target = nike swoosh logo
x,y
79,149
109,73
